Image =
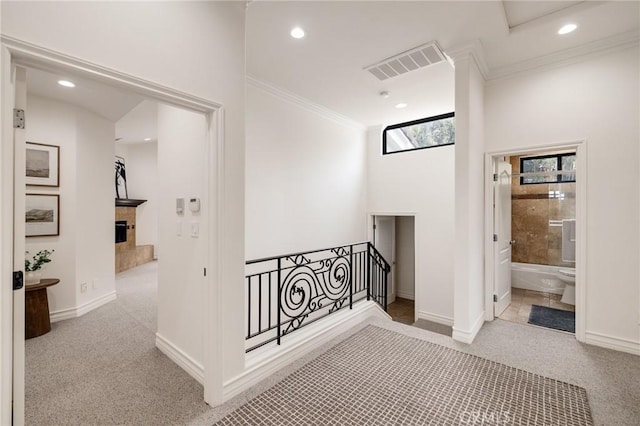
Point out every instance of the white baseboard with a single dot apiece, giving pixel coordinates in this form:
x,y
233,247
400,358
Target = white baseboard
x,y
440,319
184,361
467,336
63,314
80,310
404,295
615,343
262,363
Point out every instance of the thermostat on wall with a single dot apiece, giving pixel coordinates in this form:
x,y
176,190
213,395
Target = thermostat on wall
x,y
194,204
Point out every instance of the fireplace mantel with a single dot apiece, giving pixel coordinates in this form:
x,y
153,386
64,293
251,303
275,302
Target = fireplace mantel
x,y
128,202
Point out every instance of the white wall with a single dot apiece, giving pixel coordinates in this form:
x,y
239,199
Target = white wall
x,y
419,183
596,100
54,123
305,183
469,200
182,157
405,257
95,210
121,150
206,60
84,250
141,160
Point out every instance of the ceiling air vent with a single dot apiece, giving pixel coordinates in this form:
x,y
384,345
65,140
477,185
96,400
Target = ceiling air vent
x,y
420,57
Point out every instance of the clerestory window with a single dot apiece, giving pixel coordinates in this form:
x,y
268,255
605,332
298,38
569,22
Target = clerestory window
x,y
419,134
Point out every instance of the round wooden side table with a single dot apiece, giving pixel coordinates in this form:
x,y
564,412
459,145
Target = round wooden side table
x,y
37,320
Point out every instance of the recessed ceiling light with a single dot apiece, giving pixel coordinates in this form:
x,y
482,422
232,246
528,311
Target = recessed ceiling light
x,y
297,32
147,139
401,105
66,83
566,29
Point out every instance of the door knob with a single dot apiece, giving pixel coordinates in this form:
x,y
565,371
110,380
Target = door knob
x,y
512,242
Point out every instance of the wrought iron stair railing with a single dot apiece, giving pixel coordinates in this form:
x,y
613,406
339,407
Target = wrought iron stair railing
x,y
286,293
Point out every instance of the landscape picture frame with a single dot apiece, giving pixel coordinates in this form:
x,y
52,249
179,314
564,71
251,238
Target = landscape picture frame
x,y
42,215
42,164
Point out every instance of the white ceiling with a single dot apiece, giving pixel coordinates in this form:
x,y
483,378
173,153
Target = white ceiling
x,y
135,118
96,97
327,66
521,12
342,38
139,124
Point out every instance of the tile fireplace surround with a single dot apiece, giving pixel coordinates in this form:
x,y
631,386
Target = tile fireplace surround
x,y
128,254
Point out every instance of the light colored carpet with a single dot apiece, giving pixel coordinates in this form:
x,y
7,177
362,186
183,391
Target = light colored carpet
x,y
611,379
103,368
380,377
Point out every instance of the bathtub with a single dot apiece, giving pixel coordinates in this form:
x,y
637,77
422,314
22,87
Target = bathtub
x,y
536,277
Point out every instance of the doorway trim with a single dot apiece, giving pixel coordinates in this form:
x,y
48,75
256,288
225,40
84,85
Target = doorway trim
x,y
15,52
370,222
581,227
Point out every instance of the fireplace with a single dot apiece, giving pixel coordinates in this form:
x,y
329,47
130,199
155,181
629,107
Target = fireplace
x,y
121,231
128,253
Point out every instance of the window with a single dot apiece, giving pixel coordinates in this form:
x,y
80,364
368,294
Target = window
x,y
549,164
419,134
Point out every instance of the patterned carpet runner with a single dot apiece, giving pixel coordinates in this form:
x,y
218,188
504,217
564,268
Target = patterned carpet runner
x,y
379,377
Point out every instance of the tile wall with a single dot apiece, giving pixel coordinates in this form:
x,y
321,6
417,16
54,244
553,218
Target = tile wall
x,y
537,211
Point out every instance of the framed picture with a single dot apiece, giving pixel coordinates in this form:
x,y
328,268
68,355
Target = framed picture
x,y
43,164
121,178
42,215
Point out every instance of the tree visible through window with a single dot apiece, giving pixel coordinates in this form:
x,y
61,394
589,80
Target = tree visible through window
x,y
426,133
545,165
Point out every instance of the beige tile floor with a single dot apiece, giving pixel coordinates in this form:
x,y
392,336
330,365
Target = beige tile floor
x,y
521,301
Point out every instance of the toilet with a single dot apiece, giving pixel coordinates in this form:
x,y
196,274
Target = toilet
x,y
568,276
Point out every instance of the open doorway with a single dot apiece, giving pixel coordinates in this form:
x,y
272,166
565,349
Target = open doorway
x,y
83,127
536,238
394,237
81,140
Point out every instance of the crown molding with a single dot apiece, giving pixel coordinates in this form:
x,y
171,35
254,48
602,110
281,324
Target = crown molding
x,y
304,103
473,49
567,56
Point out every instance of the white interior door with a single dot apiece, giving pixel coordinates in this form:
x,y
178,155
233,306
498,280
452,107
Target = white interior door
x,y
384,240
502,228
19,250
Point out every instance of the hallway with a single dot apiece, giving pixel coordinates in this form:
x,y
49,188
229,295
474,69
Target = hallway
x,y
104,368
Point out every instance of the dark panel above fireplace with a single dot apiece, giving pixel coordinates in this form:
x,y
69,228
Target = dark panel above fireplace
x,y
128,202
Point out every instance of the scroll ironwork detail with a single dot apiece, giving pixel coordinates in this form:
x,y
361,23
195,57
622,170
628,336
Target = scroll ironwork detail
x,y
285,293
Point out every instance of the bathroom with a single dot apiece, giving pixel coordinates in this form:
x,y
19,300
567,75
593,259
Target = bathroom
x,y
543,229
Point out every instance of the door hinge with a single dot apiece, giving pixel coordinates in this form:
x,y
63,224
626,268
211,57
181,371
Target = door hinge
x,y
205,272
374,227
495,297
495,237
495,177
18,280
18,118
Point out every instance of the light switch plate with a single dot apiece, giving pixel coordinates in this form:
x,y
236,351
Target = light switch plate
x,y
194,205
